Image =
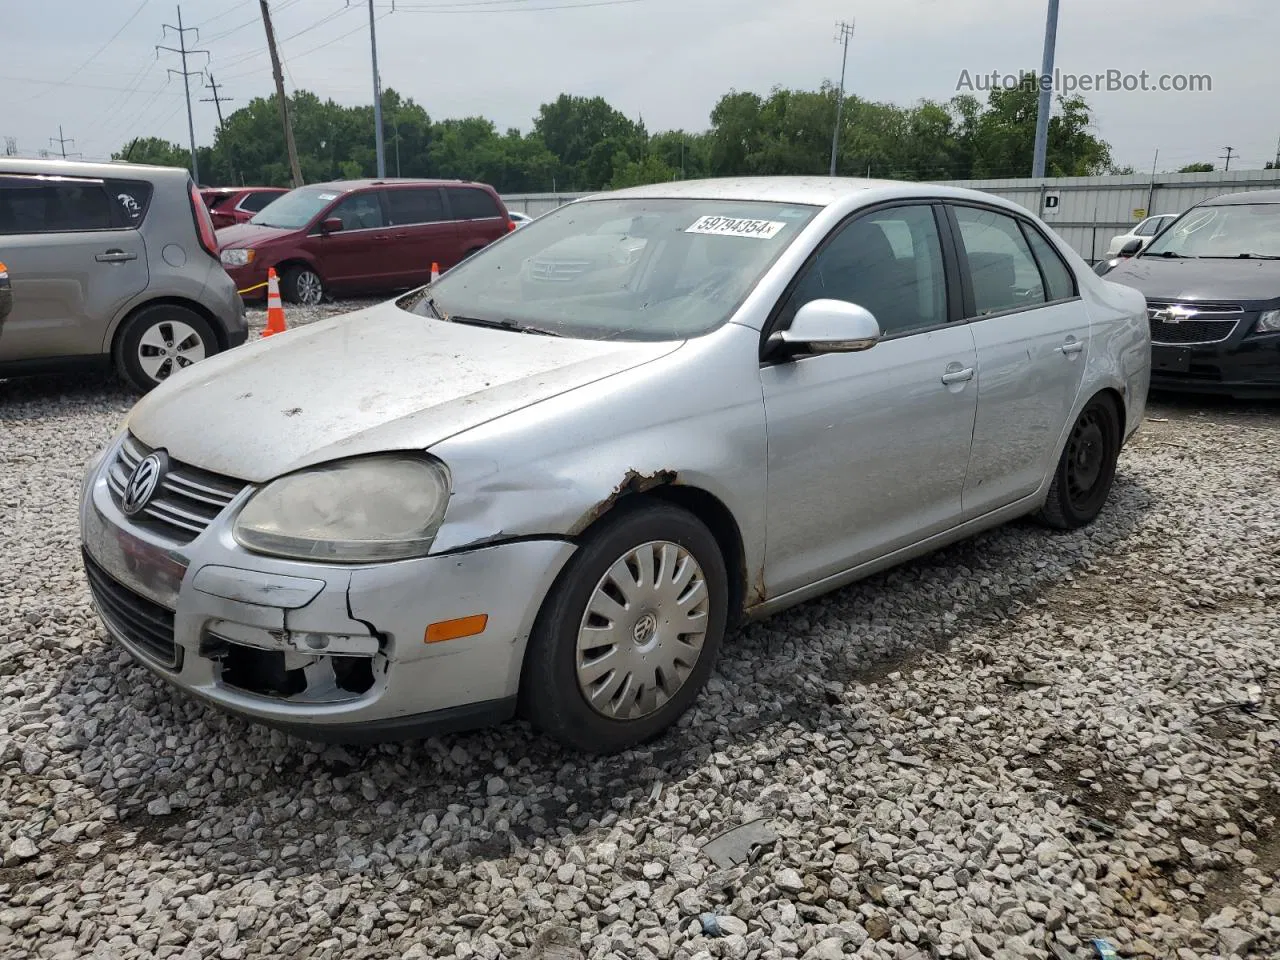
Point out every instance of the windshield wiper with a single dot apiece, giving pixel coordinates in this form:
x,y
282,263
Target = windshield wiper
x,y
502,325
1170,255
1244,256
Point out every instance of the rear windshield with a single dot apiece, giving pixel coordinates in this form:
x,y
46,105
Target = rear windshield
x,y
626,269
297,208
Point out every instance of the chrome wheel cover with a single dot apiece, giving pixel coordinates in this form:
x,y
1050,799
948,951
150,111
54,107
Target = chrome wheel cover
x,y
642,633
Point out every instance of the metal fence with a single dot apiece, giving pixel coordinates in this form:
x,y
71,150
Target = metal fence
x,y
1085,211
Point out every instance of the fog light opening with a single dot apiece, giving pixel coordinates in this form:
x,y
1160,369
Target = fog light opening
x,y
263,672
353,674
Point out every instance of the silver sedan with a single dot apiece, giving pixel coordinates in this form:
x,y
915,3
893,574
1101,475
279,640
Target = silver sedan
x,y
553,482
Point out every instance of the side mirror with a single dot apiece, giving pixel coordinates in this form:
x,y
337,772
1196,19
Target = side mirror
x,y
1131,247
331,225
828,326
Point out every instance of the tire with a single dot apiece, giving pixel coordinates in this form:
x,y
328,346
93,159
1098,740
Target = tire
x,y
159,340
626,711
302,285
1085,471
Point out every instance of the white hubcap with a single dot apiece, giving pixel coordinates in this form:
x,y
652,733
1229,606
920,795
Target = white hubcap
x,y
167,347
643,630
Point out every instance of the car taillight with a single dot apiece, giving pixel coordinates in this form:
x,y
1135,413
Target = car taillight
x,y
511,225
204,223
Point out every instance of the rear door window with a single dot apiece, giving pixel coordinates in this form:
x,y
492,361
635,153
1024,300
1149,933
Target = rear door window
x,y
132,197
410,205
1002,271
472,203
1057,275
256,201
33,204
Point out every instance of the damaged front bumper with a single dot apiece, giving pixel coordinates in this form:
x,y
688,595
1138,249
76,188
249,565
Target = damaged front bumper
x,y
329,652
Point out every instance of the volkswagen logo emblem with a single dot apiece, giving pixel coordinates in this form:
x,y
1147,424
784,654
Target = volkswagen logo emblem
x,y
144,482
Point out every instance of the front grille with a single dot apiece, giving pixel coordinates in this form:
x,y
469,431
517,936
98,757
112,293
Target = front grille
x,y
558,269
1209,323
188,499
142,622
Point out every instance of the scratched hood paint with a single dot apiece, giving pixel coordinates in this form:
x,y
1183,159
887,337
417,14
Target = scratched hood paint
x,y
376,380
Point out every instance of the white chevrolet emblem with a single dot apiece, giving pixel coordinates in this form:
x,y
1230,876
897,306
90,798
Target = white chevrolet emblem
x,y
1174,314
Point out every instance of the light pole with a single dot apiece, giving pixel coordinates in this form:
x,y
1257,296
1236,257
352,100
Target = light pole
x,y
1046,91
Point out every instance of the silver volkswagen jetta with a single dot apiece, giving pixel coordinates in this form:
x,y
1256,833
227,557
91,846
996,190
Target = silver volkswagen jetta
x,y
552,481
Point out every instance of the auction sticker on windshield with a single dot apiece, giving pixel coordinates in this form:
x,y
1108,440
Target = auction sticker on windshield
x,y
718,226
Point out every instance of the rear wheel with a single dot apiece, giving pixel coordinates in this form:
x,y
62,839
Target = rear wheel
x,y
160,340
302,285
629,633
1083,477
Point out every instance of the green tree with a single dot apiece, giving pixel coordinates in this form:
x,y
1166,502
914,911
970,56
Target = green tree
x,y
155,151
634,173
1196,168
587,137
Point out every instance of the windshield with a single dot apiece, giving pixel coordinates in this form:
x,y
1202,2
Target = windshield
x,y
625,269
296,208
1231,230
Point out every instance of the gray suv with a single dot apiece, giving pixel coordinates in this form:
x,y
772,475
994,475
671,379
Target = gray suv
x,y
111,262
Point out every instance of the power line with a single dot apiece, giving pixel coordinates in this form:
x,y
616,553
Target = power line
x,y
64,83
254,54
227,12
182,50
294,170
475,8
97,53
328,43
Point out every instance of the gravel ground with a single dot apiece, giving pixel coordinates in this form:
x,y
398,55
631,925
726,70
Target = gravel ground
x,y
1002,750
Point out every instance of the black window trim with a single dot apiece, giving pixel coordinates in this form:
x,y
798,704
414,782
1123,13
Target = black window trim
x,y
117,218
950,274
970,310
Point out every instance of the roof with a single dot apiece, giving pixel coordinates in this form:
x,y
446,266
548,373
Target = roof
x,y
1246,196
85,168
818,191
386,182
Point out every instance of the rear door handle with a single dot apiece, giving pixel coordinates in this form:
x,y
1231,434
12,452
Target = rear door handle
x,y
115,256
957,376
1071,347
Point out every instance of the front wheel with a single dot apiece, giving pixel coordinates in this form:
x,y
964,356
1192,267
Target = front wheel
x,y
302,285
630,631
159,341
1082,480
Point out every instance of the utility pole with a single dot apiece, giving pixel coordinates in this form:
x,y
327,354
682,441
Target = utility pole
x,y
216,100
1151,190
1230,151
1277,166
10,146
395,126
182,50
377,96
294,170
1046,91
844,30
61,141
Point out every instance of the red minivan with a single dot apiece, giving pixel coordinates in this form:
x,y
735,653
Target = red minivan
x,y
361,236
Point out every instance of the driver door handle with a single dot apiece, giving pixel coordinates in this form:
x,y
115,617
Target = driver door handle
x,y
958,376
115,256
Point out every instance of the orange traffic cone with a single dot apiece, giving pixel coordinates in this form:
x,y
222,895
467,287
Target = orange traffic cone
x,y
275,311
435,271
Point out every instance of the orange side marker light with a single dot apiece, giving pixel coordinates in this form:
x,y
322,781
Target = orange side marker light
x,y
456,629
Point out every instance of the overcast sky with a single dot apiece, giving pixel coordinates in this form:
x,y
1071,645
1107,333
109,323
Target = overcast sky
x,y
665,60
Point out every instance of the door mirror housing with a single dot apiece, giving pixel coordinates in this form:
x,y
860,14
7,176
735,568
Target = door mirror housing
x,y
828,326
1131,247
331,225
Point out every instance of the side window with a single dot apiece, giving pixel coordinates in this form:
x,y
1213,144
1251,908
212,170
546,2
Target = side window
x,y
472,203
360,211
1148,227
407,206
1003,272
1061,281
888,261
254,202
132,198
44,205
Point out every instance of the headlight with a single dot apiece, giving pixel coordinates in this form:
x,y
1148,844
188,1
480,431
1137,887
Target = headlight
x,y
1269,322
236,258
355,511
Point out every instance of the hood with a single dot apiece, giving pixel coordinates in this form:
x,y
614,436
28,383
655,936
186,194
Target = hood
x,y
249,235
376,380
1191,280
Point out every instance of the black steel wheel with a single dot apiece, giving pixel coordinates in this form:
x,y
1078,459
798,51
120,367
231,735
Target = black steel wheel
x,y
1084,474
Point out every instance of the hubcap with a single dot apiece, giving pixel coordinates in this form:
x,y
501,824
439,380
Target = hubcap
x,y
167,347
643,630
310,289
1085,456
